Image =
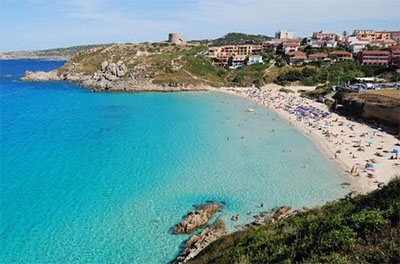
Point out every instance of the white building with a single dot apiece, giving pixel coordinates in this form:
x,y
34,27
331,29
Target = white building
x,y
253,59
284,34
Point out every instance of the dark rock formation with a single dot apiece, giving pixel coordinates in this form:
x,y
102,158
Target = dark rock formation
x,y
196,218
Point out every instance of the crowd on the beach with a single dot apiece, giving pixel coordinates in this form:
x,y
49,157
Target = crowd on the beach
x,y
366,150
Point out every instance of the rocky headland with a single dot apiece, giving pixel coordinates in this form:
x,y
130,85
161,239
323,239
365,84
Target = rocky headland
x,y
160,67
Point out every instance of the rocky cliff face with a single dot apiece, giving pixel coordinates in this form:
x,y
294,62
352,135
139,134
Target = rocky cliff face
x,y
371,107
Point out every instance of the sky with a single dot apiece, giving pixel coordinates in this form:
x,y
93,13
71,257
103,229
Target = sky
x,y
44,24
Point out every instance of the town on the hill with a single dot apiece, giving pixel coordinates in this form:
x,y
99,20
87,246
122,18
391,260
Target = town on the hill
x,y
369,47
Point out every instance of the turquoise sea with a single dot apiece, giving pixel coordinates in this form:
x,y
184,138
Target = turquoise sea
x,y
84,176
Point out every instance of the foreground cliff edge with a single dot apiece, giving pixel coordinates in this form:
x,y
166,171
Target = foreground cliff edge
x,y
160,67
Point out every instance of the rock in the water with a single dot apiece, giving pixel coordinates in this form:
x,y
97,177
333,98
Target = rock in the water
x,y
40,76
198,242
197,218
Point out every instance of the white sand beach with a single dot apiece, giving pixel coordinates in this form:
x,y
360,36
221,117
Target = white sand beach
x,y
366,155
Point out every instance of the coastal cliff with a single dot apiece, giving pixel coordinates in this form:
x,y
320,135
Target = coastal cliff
x,y
382,106
160,67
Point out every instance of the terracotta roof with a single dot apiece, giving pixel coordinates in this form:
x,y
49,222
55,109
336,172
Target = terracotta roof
x,y
290,44
318,55
371,52
340,52
299,55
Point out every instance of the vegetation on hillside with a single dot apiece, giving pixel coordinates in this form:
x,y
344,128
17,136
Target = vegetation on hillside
x,y
169,64
335,73
235,38
363,230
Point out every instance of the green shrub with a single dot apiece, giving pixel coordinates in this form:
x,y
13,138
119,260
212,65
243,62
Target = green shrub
x,y
367,220
343,239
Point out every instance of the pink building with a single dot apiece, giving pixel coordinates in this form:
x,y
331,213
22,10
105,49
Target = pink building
x,y
374,57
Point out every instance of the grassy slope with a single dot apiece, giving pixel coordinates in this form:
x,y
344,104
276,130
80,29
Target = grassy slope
x,y
363,230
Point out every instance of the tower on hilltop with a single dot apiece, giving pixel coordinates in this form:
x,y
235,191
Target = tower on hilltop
x,y
175,38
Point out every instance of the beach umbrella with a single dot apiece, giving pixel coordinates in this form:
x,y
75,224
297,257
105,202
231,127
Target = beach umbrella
x,y
370,165
395,151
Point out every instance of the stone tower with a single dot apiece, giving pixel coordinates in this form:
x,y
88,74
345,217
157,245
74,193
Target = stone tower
x,y
175,38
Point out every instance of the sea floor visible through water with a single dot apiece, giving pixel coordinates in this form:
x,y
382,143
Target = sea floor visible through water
x,y
85,176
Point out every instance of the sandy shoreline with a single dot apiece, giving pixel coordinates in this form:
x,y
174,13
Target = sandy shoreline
x,y
362,153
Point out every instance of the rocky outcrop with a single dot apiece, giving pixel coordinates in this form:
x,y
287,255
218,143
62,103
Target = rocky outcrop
x,y
200,241
281,212
389,115
369,106
196,218
104,79
273,215
40,76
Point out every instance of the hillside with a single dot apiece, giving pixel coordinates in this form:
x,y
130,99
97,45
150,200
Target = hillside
x,y
363,230
235,38
157,66
48,54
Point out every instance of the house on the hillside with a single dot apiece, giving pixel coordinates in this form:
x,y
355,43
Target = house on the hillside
x,y
297,58
271,45
238,61
254,59
318,56
395,54
340,55
374,57
290,45
324,35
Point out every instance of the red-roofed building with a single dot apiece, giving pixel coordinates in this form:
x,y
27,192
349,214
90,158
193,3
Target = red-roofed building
x,y
374,57
340,55
297,57
318,56
289,47
395,54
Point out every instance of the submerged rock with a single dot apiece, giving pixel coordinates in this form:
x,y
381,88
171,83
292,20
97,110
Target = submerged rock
x,y
196,218
40,76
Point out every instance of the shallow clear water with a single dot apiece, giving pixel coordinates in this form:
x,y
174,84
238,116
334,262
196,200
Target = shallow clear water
x,y
85,175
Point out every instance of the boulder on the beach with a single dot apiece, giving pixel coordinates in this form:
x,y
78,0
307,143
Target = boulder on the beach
x,y
196,218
